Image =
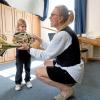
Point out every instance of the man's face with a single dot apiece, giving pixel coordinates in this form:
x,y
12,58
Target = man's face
x,y
54,18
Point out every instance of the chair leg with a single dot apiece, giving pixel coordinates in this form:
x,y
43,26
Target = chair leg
x,y
84,56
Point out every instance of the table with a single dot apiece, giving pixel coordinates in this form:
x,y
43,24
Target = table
x,y
94,42
96,45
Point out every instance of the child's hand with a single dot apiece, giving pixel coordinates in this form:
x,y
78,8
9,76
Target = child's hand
x,y
24,46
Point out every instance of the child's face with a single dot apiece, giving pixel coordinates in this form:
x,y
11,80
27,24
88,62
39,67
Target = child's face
x,y
22,28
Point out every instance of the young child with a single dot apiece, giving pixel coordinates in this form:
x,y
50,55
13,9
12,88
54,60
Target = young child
x,y
23,59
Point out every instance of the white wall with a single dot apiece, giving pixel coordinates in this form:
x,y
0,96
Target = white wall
x,y
33,6
93,18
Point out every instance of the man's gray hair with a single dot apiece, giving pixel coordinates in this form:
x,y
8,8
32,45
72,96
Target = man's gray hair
x,y
63,11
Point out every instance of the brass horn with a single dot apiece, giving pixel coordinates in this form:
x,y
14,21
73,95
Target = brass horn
x,y
4,45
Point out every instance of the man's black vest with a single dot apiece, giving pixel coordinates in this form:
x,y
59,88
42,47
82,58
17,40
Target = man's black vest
x,y
71,56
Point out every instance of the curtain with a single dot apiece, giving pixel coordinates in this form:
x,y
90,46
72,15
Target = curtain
x,y
80,16
45,12
4,2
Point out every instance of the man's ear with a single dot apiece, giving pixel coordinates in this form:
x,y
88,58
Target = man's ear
x,y
61,18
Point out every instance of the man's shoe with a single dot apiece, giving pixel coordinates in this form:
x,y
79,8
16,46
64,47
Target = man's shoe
x,y
29,84
60,97
18,87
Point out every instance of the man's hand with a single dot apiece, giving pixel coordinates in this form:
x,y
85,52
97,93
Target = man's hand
x,y
48,63
35,37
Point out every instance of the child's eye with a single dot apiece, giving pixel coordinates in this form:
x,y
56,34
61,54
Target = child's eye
x,y
24,26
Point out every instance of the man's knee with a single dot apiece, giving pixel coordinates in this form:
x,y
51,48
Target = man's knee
x,y
41,72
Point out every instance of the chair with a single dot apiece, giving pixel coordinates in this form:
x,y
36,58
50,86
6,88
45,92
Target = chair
x,y
84,54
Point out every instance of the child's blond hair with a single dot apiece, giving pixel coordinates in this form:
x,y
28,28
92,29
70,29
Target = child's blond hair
x,y
21,22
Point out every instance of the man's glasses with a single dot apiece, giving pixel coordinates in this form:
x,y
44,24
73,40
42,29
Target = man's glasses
x,y
54,15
